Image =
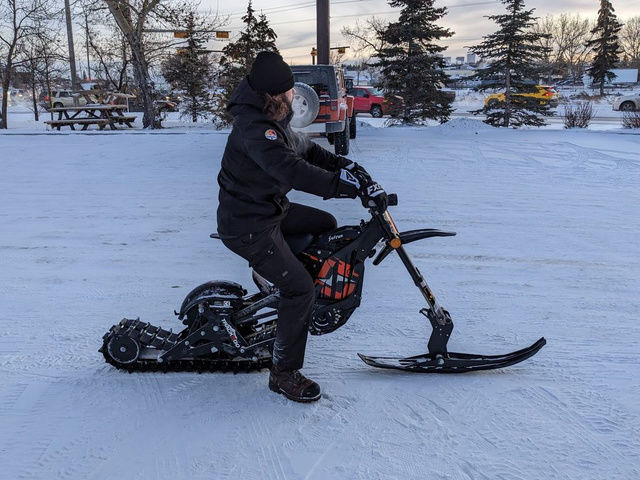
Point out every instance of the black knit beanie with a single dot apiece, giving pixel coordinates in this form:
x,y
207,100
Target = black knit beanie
x,y
270,74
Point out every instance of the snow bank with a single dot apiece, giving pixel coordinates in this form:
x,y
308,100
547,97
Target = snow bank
x,y
457,125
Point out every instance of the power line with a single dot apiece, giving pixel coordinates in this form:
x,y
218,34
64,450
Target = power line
x,y
294,6
303,5
388,12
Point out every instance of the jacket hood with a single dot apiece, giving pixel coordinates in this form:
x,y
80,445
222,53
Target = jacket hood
x,y
244,95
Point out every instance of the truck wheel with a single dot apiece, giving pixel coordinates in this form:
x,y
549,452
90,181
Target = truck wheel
x,y
352,126
330,138
627,107
341,140
376,111
305,105
58,105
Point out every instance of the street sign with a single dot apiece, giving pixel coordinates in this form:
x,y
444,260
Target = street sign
x,y
341,50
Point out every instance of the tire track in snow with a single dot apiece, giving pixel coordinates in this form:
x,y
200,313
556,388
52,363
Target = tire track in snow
x,y
585,429
21,421
271,462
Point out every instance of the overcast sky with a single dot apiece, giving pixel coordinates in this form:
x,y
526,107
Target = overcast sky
x,y
294,20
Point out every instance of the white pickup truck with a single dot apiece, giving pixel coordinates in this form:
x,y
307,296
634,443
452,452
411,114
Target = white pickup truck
x,y
63,98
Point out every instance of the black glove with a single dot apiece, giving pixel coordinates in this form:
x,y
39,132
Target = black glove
x,y
359,172
348,186
370,192
352,178
374,196
355,181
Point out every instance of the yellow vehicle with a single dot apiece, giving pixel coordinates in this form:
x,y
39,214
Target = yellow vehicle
x,y
544,94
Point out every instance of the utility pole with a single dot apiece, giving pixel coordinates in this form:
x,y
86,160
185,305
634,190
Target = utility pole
x,y
322,31
72,54
86,32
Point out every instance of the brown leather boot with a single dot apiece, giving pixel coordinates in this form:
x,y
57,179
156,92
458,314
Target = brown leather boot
x,y
293,385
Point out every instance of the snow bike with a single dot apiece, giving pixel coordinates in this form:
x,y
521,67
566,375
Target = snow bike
x,y
228,329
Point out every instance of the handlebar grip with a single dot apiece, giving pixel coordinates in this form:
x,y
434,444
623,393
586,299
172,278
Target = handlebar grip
x,y
393,199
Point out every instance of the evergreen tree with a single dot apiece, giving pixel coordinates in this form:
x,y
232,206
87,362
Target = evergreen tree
x,y
516,54
191,70
605,45
409,60
238,56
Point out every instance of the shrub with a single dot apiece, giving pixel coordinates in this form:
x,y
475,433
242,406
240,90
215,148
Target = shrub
x,y
578,115
631,119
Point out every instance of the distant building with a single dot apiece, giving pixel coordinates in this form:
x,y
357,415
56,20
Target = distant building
x,y
471,58
623,76
459,60
447,60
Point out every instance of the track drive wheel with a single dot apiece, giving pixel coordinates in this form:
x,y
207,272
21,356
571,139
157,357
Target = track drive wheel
x,y
123,349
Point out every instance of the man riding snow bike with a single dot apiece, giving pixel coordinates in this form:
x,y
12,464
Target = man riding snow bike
x,y
263,160
309,273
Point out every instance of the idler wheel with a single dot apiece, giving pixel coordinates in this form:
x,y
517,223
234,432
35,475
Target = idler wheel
x,y
124,350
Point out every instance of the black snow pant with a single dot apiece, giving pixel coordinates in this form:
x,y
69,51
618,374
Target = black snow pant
x,y
270,256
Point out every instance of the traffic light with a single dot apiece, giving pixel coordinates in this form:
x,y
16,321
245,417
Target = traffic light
x,y
222,34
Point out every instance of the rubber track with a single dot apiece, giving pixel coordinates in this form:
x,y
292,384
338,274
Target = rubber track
x,y
155,337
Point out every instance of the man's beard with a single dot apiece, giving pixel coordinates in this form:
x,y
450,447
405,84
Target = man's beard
x,y
289,105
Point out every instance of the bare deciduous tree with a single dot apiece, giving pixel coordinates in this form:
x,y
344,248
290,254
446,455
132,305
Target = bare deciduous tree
x,y
17,19
572,34
135,18
566,35
41,58
367,39
107,46
630,40
544,28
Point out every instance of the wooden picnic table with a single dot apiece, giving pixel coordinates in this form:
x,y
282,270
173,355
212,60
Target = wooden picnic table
x,y
91,114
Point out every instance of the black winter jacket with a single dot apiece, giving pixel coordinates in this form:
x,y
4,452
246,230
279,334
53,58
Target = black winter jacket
x,y
262,161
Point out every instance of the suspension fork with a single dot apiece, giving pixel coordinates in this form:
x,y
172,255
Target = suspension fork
x,y
439,318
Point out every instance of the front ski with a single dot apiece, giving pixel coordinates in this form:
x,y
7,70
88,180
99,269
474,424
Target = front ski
x,y
451,362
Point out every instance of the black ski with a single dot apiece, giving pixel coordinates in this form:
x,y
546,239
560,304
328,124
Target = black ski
x,y
452,362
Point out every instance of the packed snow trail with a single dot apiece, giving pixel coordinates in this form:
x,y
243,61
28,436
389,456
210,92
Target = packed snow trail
x,y
97,227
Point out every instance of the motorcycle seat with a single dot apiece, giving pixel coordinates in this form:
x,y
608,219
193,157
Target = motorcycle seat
x,y
297,243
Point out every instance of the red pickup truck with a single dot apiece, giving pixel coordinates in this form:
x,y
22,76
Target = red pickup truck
x,y
368,99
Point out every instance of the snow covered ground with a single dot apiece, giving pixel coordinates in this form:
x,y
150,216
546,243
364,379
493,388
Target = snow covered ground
x,y
100,226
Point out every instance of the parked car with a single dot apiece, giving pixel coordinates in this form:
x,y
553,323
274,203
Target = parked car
x,y
368,99
168,100
63,98
17,93
543,93
627,103
321,105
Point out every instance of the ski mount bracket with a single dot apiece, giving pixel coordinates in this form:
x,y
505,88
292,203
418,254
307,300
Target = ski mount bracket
x,y
442,326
